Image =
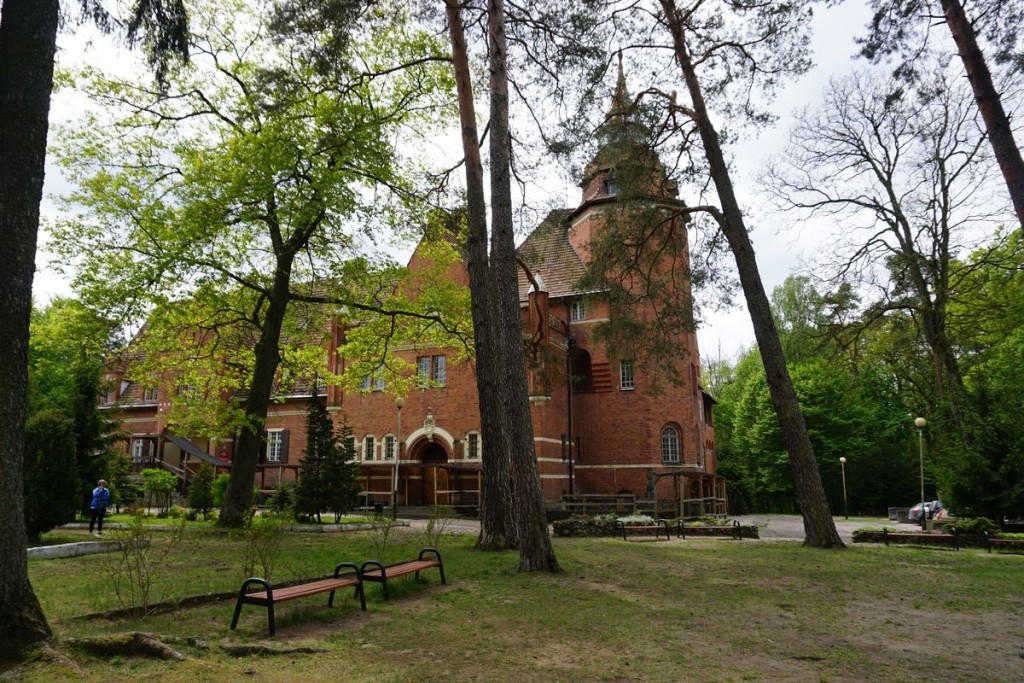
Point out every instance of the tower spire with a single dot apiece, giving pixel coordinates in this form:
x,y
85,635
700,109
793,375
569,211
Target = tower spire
x,y
621,101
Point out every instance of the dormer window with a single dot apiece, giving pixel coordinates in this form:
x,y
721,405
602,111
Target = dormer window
x,y
611,184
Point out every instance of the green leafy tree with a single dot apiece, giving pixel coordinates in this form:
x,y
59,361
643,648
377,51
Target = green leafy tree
x,y
200,492
51,479
68,349
227,211
28,31
158,484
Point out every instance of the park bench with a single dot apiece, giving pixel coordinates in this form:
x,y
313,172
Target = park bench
x,y
953,537
728,530
269,596
622,527
392,571
991,541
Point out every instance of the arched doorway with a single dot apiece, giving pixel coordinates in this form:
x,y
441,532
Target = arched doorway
x,y
435,479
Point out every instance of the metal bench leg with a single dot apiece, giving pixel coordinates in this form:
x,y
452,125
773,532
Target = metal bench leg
x,y
270,618
238,611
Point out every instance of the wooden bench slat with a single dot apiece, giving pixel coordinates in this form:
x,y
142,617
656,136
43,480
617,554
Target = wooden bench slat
x,y
270,596
305,589
402,569
373,570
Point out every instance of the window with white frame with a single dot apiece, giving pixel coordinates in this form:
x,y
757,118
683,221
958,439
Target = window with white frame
x,y
577,311
388,446
431,370
373,382
440,376
150,394
670,444
321,386
275,445
626,375
138,451
369,444
473,446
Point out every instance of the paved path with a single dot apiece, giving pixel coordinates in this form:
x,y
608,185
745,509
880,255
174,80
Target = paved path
x,y
790,527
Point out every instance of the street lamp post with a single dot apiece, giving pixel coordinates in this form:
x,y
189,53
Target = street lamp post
x,y
842,466
399,402
921,423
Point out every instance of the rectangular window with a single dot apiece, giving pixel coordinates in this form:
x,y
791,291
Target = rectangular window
x,y
440,370
577,311
321,386
423,370
368,446
275,443
431,370
187,391
389,447
138,451
373,382
149,394
625,375
473,446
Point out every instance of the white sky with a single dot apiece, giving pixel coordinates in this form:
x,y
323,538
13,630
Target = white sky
x,y
781,248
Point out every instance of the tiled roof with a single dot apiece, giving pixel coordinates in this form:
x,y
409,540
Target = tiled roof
x,y
548,254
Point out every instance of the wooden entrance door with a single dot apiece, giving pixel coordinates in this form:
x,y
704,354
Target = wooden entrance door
x,y
435,478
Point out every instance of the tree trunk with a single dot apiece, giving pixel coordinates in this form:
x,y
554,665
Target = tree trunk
x,y
1000,134
496,529
535,551
28,34
819,527
238,496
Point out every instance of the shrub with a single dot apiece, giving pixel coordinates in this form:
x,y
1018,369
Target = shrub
x,y
220,485
282,500
51,484
200,493
136,563
158,484
975,525
263,536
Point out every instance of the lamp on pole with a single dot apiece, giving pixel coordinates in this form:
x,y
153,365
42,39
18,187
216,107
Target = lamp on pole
x,y
842,466
399,402
921,423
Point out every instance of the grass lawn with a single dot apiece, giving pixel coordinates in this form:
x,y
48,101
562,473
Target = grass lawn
x,y
694,610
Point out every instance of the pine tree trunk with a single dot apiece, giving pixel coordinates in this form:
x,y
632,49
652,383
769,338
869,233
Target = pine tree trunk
x,y
819,528
535,551
496,529
1000,134
28,33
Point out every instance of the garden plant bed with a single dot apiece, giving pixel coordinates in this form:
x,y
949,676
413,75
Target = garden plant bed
x,y
948,539
735,530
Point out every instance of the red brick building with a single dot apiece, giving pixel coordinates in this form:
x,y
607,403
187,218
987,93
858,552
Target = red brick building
x,y
596,428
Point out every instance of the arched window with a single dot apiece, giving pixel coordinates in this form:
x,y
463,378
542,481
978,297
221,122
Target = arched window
x,y
670,445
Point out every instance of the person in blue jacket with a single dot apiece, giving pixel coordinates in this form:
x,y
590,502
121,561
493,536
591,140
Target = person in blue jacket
x,y
100,499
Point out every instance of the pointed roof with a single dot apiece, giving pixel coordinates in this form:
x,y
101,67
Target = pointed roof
x,y
621,101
